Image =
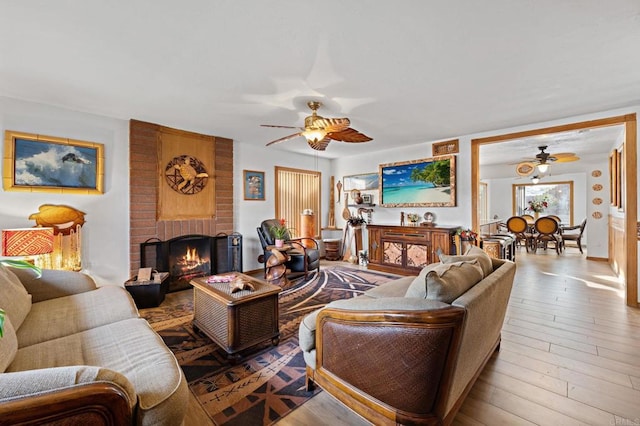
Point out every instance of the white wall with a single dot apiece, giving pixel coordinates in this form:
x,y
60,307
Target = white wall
x,y
248,214
105,235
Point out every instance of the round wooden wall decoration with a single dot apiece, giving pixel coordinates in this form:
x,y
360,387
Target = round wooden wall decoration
x,y
596,215
186,174
596,173
597,201
597,187
525,168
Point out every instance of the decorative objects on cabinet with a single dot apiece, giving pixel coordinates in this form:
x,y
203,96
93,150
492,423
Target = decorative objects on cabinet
x,y
405,250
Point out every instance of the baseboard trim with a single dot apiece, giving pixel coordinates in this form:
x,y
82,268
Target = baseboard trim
x,y
597,259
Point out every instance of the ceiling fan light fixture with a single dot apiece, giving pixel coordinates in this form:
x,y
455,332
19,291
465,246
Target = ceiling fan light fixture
x,y
535,180
314,135
543,167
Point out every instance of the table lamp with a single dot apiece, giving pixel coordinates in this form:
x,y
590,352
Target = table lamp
x,y
32,243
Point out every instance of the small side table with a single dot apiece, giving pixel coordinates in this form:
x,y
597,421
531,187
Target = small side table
x,y
276,265
332,249
148,294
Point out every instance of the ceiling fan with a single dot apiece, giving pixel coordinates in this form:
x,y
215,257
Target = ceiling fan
x,y
542,161
319,131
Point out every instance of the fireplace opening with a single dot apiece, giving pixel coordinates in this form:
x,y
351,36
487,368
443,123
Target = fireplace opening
x,y
191,256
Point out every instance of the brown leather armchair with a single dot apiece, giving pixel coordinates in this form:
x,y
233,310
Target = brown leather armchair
x,y
304,255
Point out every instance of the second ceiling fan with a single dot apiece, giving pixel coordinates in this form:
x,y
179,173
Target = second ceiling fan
x,y
319,131
542,160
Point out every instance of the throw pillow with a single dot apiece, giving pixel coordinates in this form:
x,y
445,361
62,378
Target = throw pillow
x,y
8,345
451,280
418,288
472,253
14,298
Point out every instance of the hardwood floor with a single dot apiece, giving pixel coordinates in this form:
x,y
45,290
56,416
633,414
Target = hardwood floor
x,y
570,354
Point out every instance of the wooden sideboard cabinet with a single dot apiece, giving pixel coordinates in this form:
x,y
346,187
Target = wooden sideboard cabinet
x,y
405,250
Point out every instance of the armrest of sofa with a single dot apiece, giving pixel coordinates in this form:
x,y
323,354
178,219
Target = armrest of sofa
x,y
77,394
391,355
54,283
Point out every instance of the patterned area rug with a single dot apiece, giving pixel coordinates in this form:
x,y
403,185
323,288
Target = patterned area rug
x,y
269,381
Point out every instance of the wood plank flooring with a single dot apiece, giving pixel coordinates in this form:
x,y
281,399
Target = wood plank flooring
x,y
570,355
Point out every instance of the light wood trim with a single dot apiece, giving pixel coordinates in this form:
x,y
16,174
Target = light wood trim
x,y
631,206
630,158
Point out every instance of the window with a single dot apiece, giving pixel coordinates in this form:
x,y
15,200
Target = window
x,y
483,203
559,197
296,191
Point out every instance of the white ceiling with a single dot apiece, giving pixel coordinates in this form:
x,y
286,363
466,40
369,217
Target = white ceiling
x,y
404,72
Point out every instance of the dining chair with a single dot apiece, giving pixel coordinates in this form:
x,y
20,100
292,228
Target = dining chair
x,y
573,233
519,227
528,218
547,232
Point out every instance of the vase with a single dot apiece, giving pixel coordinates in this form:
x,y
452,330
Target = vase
x,y
536,215
279,243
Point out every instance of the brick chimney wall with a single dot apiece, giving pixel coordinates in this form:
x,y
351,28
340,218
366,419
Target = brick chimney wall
x,y
143,172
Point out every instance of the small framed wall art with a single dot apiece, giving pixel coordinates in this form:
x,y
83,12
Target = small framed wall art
x,y
37,163
253,185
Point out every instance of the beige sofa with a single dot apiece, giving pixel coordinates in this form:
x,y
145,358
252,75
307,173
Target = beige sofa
x,y
75,353
408,351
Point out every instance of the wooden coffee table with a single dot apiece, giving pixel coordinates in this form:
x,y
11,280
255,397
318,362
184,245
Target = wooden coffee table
x,y
236,321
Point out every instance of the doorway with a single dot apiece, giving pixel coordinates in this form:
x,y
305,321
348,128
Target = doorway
x,y
625,254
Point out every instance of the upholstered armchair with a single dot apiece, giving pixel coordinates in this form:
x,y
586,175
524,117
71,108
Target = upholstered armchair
x,y
304,253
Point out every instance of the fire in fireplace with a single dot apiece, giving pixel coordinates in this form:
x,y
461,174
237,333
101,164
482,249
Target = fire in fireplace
x,y
192,256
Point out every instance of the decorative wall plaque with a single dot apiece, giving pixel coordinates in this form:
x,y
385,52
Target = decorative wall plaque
x,y
596,215
445,148
597,187
186,174
596,173
597,201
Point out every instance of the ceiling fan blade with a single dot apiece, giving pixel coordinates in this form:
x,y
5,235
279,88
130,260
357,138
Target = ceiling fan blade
x,y
286,138
567,159
349,135
331,125
319,145
281,127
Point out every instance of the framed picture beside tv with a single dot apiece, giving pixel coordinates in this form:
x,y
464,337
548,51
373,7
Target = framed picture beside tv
x,y
428,182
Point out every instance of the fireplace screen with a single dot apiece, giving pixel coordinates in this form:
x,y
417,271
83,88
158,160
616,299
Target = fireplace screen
x,y
192,256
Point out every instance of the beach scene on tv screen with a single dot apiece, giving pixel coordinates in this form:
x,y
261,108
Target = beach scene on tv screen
x,y
426,182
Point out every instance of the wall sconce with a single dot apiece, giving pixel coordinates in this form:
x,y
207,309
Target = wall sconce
x,y
33,243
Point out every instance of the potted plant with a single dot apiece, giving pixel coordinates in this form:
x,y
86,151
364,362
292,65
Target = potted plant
x,y
22,264
280,232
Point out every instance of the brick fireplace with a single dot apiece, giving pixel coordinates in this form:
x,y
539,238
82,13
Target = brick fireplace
x,y
143,171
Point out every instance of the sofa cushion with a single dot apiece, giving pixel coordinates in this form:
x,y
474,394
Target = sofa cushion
x,y
473,253
67,315
448,283
129,347
418,287
395,288
52,283
32,382
445,282
8,345
14,298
